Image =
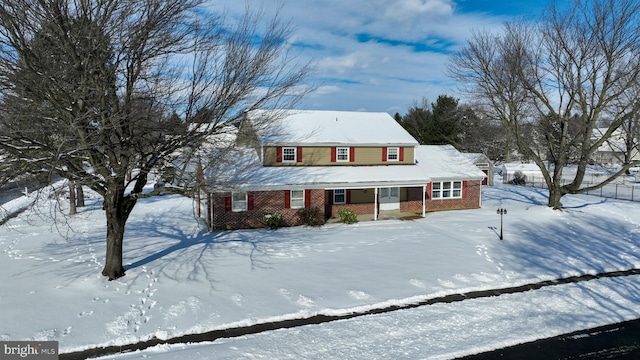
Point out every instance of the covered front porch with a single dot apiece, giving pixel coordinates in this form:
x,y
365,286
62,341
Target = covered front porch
x,y
377,202
384,215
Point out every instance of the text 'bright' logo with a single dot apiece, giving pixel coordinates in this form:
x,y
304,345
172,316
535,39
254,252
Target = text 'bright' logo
x,y
42,350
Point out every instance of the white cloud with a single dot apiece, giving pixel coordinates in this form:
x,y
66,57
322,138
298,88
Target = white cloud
x,y
386,72
343,64
326,89
411,9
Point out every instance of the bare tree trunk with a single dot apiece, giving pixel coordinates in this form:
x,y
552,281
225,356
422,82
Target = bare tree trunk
x,y
555,195
72,198
79,195
113,268
117,208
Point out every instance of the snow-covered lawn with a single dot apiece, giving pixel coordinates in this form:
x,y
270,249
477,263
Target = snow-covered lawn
x,y
182,280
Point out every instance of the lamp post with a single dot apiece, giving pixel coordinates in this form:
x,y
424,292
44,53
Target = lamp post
x,y
502,212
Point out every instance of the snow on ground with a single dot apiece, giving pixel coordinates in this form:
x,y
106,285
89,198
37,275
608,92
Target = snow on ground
x,y
182,280
441,331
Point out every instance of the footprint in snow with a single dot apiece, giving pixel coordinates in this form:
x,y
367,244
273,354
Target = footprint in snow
x,y
85,313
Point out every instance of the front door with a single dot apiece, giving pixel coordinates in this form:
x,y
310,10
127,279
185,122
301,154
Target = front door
x,y
389,198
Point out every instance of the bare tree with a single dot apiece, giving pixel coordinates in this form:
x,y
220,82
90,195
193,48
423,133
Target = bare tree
x,y
569,69
91,89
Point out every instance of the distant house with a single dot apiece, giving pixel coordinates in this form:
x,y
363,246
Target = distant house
x,y
330,160
483,163
612,151
510,171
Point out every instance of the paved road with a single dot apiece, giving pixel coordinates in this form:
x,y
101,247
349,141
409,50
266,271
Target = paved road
x,y
617,341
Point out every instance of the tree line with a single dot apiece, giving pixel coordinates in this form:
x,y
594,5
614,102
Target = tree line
x,y
446,121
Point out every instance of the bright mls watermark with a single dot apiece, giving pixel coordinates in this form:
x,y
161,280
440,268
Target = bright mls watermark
x,y
40,350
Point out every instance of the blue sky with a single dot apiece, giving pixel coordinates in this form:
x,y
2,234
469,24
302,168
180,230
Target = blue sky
x,y
384,55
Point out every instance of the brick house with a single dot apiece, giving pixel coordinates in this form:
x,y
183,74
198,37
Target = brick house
x,y
330,160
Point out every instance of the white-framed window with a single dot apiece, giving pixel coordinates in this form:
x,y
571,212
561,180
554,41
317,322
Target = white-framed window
x,y
342,154
393,154
289,154
339,196
297,199
239,201
446,190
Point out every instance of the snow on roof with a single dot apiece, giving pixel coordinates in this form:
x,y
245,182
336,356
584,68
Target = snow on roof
x,y
440,162
311,127
518,166
435,162
247,172
476,157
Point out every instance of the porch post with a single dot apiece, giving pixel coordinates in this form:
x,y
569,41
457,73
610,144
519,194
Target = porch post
x,y
424,200
375,203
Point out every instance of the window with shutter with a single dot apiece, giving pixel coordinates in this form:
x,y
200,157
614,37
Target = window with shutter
x,y
297,199
289,154
393,154
342,154
239,201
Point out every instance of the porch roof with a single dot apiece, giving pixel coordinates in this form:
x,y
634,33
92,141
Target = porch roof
x,y
325,177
